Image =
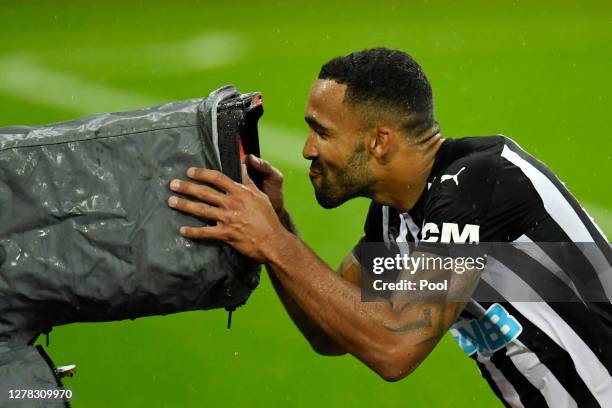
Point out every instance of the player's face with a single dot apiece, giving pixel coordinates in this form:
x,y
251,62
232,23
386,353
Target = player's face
x,y
335,146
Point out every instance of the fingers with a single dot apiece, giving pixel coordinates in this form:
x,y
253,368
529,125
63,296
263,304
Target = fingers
x,y
200,210
199,191
203,232
213,177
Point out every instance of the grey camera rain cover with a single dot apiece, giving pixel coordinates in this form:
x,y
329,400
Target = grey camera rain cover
x,y
85,231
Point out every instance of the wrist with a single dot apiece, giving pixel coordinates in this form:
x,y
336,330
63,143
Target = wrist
x,y
280,245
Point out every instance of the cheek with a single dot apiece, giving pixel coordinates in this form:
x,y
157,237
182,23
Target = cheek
x,y
331,154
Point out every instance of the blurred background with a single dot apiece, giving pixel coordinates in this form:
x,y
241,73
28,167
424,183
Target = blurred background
x,y
538,73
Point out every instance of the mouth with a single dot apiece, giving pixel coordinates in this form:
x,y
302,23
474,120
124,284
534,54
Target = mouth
x,y
313,173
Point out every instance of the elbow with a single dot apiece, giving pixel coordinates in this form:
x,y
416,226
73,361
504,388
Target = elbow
x,y
394,365
393,374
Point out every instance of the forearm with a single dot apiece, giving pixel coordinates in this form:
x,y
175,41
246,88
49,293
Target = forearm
x,y
318,339
334,304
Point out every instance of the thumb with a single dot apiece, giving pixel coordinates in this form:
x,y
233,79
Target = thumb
x,y
258,164
246,179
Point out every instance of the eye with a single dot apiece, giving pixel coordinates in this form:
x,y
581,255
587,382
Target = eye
x,y
321,133
318,132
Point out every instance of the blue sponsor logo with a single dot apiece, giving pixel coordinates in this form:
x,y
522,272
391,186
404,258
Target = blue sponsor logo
x,y
489,333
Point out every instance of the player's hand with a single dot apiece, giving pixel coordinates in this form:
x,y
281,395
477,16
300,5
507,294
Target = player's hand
x,y
272,181
245,217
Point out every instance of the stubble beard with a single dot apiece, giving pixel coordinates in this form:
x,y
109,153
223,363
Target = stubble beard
x,y
353,180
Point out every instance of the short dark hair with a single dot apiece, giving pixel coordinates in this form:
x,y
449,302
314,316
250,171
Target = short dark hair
x,y
388,81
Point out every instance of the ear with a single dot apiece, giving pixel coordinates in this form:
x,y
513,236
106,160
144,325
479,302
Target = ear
x,y
382,140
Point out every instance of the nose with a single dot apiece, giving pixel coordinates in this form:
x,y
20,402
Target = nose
x,y
311,148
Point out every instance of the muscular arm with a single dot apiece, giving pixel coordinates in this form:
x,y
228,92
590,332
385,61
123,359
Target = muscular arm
x,y
391,338
320,341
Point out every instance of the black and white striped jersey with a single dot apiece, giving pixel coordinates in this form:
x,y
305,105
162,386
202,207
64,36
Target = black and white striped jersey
x,y
533,354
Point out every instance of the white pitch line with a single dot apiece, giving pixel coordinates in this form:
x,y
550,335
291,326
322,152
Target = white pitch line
x,y
23,78
206,51
283,145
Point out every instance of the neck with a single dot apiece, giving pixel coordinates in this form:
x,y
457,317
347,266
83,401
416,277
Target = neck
x,y
404,178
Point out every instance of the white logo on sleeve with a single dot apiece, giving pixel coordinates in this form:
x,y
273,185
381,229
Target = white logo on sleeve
x,y
452,176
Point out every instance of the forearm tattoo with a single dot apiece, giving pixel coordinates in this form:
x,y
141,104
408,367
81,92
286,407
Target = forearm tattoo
x,y
433,313
431,316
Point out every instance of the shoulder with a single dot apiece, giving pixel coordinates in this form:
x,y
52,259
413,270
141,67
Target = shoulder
x,y
479,186
488,167
469,170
